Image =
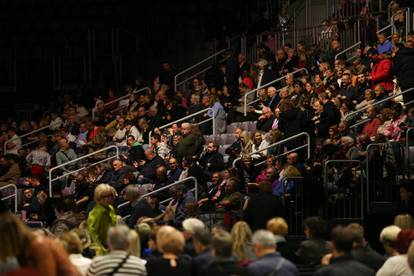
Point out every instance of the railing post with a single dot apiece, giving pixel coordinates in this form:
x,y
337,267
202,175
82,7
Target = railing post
x,y
51,170
14,187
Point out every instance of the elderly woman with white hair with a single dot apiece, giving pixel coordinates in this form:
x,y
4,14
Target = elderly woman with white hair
x,y
349,148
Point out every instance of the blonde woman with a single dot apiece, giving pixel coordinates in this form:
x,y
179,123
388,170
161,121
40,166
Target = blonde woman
x,y
102,216
404,221
241,235
170,242
246,143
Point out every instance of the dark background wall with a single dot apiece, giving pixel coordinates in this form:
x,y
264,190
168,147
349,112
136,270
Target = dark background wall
x,y
53,45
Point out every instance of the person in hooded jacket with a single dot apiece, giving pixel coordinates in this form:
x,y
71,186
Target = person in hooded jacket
x,y
381,72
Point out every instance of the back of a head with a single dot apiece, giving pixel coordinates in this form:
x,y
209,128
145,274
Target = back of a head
x,y
389,235
118,237
264,238
404,239
71,242
193,225
342,239
278,226
357,232
222,244
14,236
316,226
202,236
170,240
404,221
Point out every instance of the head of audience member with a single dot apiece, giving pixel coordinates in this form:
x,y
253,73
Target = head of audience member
x,y
357,231
315,228
406,192
118,238
371,112
264,243
170,240
117,165
404,239
404,221
241,235
201,240
278,227
64,144
186,129
132,193
191,226
222,244
150,154
212,147
172,164
104,194
388,238
71,242
267,113
292,158
342,241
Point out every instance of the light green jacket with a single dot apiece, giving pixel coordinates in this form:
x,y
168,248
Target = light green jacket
x,y
99,221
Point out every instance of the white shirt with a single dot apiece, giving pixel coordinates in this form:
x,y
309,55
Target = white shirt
x,y
395,266
81,263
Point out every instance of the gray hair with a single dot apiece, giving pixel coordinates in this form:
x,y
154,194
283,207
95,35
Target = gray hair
x,y
347,140
222,244
132,191
193,225
264,238
118,237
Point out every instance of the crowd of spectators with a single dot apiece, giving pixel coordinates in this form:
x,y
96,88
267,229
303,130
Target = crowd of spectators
x,y
243,182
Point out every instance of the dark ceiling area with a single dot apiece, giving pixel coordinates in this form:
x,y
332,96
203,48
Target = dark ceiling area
x,y
49,45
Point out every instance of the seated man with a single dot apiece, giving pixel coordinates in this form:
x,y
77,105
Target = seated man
x,y
140,207
265,121
148,172
269,262
115,176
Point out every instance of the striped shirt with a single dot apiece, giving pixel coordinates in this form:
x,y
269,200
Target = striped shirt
x,y
103,265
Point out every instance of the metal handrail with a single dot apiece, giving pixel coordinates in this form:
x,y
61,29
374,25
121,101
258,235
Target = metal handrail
x,y
189,117
176,183
10,196
377,103
83,168
121,98
325,177
266,85
28,134
385,28
347,49
199,73
279,143
195,65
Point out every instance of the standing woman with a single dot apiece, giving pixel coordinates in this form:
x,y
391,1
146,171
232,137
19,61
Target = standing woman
x,y
102,215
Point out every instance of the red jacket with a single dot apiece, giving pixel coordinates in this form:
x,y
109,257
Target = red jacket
x,y
381,73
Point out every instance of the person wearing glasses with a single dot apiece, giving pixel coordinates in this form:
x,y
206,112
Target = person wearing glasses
x,y
102,216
